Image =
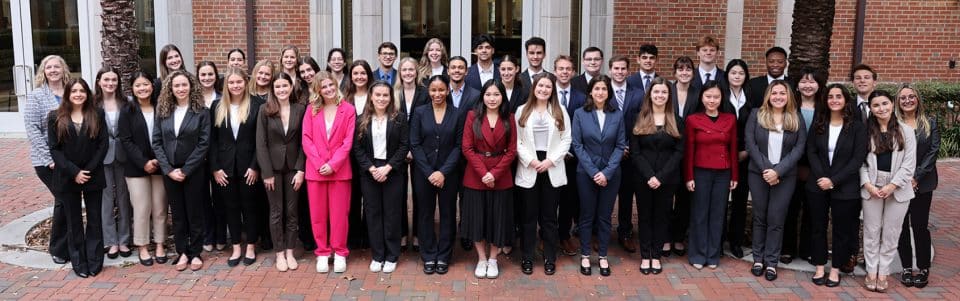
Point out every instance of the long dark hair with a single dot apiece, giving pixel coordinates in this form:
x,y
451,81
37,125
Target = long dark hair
x,y
217,84
711,84
645,122
164,71
480,109
818,77
313,65
351,88
91,121
822,112
330,55
879,142
517,83
143,73
272,107
370,110
591,104
98,92
553,104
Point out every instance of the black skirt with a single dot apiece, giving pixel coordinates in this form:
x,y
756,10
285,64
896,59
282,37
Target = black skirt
x,y
487,215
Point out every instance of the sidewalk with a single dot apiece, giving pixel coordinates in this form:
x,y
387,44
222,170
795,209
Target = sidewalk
x,y
21,194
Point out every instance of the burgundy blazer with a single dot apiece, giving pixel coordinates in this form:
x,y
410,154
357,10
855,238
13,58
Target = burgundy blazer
x,y
502,147
710,144
334,150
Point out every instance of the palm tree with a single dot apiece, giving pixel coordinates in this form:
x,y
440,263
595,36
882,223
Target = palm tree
x,y
810,41
120,42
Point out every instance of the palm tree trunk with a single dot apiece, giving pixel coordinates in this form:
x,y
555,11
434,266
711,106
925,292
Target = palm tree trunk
x,y
121,41
810,41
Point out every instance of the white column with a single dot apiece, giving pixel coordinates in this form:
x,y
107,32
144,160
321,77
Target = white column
x,y
90,24
368,30
391,23
784,23
552,23
733,41
597,27
174,25
461,30
324,33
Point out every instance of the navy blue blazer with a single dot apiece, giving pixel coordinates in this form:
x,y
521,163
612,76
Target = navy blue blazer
x,y
473,75
469,99
599,151
575,101
698,82
436,147
632,99
635,82
393,75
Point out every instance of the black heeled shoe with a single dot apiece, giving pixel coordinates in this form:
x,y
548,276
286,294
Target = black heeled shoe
x,y
906,277
526,266
466,244
232,262
786,259
442,267
58,260
429,267
585,270
645,270
126,253
679,252
920,279
146,262
161,259
819,281
757,269
247,261
831,283
604,271
549,267
656,271
113,255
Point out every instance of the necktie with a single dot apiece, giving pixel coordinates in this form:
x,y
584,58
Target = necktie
x,y
646,82
563,97
620,98
707,78
864,111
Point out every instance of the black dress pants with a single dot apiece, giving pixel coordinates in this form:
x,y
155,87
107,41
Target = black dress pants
x,y
540,207
186,206
58,232
241,209
436,246
845,216
86,246
653,217
383,212
917,218
568,213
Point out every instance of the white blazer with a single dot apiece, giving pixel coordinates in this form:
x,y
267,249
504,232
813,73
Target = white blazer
x,y
902,166
558,145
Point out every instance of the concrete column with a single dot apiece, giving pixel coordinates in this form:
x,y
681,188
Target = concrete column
x,y
733,40
91,24
784,23
324,33
597,29
368,16
550,21
174,25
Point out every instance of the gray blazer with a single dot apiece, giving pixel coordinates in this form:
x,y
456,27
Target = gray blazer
x,y
902,166
757,140
40,102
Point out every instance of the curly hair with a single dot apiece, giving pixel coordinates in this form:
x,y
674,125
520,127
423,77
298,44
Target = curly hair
x,y
168,102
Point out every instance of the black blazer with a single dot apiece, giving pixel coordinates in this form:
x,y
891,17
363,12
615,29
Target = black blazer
x,y
518,96
77,152
657,155
473,75
848,157
234,155
436,147
758,87
279,151
398,143
135,140
690,104
186,151
525,78
580,83
791,150
425,83
927,149
468,100
420,97
698,82
742,115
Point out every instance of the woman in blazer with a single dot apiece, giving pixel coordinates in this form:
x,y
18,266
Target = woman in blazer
x,y
409,95
811,88
281,160
737,101
116,230
141,170
380,148
683,97
912,112
78,137
259,82
435,138
543,141
599,142
309,69
775,140
710,171
356,93
887,187
657,152
46,96
489,146
327,138
836,148
210,82
214,210
233,162
181,138
433,60
517,93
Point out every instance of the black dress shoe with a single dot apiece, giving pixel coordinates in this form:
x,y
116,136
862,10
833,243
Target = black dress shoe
x,y
656,271
466,244
737,251
81,274
146,262
627,244
906,277
757,269
771,274
113,255
645,271
549,267
786,259
429,268
605,271
585,270
831,283
126,253
819,281
161,259
232,262
59,260
920,279
249,261
679,252
527,266
665,253
442,267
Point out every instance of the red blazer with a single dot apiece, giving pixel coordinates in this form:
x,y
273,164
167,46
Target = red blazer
x,y
710,144
492,141
334,150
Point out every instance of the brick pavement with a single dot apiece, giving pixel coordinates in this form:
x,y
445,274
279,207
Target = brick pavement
x,y
21,193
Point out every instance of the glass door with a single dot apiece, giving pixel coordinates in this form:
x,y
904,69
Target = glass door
x,y
502,19
420,21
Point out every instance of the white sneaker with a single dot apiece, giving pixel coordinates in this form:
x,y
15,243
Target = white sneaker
x,y
389,267
339,264
375,266
481,270
492,269
323,264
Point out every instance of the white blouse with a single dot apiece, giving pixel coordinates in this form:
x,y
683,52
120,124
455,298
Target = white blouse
x,y
359,102
834,133
178,114
235,119
601,117
378,127
148,118
775,145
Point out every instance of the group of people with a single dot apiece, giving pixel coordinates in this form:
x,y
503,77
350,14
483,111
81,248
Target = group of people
x,y
293,154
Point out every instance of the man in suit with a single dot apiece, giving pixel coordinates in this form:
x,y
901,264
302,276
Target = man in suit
x,y
648,62
485,69
627,100
536,50
864,82
386,55
707,70
464,97
592,64
776,61
569,205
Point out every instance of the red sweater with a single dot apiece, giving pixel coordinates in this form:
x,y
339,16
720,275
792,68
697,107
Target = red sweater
x,y
502,147
710,144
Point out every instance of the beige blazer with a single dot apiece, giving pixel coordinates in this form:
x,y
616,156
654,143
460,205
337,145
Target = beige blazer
x,y
558,144
902,166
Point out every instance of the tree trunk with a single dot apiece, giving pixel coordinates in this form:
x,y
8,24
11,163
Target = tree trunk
x,y
810,41
121,41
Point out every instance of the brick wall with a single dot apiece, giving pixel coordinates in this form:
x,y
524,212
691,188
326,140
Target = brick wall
x,y
220,25
904,40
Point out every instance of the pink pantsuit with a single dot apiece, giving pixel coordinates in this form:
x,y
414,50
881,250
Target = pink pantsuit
x,y
329,195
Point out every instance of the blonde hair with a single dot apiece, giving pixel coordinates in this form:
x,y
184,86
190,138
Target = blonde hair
x,y
252,83
923,121
791,122
425,70
316,100
398,84
223,108
40,79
